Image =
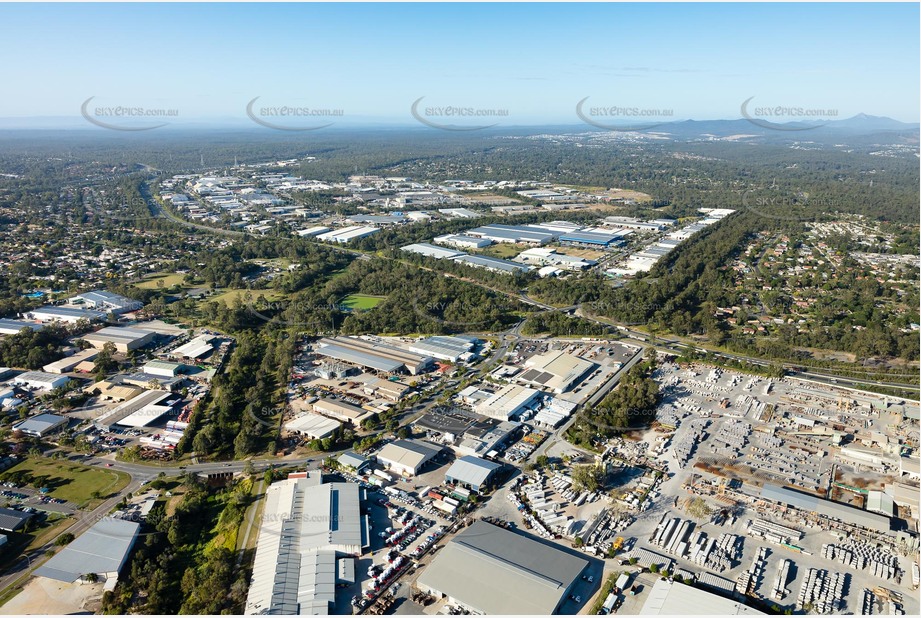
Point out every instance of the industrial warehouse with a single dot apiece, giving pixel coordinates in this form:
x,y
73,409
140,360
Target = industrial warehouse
x,y
138,411
472,472
374,355
672,598
407,457
490,570
555,371
307,528
101,551
124,339
101,300
832,510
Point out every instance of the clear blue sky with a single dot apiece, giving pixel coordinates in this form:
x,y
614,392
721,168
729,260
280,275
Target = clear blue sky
x,y
535,60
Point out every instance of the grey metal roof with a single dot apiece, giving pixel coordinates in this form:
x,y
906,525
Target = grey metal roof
x,y
352,459
672,598
11,519
446,346
513,232
471,470
495,571
101,549
118,334
304,524
116,301
411,453
360,358
489,262
70,312
17,325
828,508
594,238
434,251
41,423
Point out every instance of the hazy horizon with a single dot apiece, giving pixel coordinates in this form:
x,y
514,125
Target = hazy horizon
x,y
515,64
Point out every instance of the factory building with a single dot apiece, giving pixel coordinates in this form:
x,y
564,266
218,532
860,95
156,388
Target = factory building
x,y
12,327
591,239
100,300
313,426
459,213
555,371
373,355
305,527
668,597
163,369
446,347
197,348
548,256
493,264
472,472
490,570
514,234
347,234
40,380
102,550
137,411
509,402
12,520
340,410
484,439
407,457
68,315
432,251
41,425
124,339
353,461
832,510
462,242
312,231
69,362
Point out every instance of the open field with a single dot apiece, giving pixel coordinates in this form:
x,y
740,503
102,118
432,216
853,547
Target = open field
x,y
228,296
503,250
69,481
169,280
588,254
362,301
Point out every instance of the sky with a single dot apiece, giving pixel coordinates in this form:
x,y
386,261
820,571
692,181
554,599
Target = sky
x,y
534,62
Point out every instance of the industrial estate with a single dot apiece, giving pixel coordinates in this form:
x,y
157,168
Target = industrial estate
x,y
456,369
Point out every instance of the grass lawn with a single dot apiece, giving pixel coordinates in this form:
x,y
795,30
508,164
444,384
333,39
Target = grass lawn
x,y
227,297
362,301
502,250
169,280
69,481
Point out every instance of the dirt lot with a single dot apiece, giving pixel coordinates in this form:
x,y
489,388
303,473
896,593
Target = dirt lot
x,y
47,596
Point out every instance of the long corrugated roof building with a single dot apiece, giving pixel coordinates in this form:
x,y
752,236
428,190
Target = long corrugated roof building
x,y
306,524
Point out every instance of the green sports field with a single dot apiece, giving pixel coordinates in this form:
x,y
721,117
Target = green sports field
x,y
362,301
